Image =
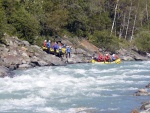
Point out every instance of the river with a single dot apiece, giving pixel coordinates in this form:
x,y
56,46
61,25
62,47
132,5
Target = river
x,y
76,88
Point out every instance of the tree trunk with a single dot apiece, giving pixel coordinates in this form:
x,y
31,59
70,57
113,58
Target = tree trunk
x,y
128,21
147,12
133,27
134,22
146,9
114,18
123,25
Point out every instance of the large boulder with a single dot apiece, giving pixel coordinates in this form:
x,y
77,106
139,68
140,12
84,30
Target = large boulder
x,y
145,106
4,71
11,60
135,111
142,92
53,60
24,66
126,58
148,86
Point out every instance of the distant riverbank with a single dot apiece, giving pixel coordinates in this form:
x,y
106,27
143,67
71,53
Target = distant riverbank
x,y
19,54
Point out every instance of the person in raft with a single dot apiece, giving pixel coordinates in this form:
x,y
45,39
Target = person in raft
x,y
114,57
107,58
45,42
100,58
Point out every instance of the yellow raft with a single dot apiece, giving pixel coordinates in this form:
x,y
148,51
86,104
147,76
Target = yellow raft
x,y
118,61
52,50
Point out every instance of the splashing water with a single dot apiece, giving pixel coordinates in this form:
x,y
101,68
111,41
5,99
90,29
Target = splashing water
x,y
78,88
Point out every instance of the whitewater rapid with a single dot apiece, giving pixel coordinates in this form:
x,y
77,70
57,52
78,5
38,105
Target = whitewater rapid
x,y
92,88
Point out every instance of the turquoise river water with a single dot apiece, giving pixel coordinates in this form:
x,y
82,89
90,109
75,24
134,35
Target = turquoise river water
x,y
77,88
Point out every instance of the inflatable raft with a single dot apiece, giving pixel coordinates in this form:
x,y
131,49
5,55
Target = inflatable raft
x,y
52,50
118,61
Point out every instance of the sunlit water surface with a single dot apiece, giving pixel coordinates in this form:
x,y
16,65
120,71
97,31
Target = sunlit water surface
x,y
78,88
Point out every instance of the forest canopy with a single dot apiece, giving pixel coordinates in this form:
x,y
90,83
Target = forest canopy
x,y
103,22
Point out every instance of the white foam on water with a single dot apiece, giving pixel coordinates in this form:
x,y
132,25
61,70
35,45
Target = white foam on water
x,y
70,110
47,110
115,95
52,85
106,71
79,71
61,82
24,103
108,109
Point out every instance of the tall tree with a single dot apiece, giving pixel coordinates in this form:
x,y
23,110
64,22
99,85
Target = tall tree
x,y
128,21
147,12
122,27
114,18
134,21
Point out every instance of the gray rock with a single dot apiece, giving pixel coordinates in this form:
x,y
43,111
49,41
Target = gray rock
x,y
74,59
56,61
145,106
4,49
135,111
127,58
140,58
4,71
142,92
42,63
36,47
26,43
24,66
34,59
148,86
11,60
148,55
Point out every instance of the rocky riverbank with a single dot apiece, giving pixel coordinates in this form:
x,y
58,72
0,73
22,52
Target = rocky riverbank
x,y
19,54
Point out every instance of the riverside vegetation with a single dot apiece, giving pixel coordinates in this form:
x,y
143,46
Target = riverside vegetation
x,y
109,24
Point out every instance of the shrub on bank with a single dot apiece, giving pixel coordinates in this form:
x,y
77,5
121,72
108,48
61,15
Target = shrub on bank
x,y
102,39
142,41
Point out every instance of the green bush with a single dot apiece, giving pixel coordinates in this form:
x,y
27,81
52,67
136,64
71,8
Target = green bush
x,y
102,39
142,41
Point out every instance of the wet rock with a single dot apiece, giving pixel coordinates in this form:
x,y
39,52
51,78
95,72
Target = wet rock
x,y
142,92
140,58
24,66
148,86
148,55
4,71
42,63
127,58
135,111
74,59
146,107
